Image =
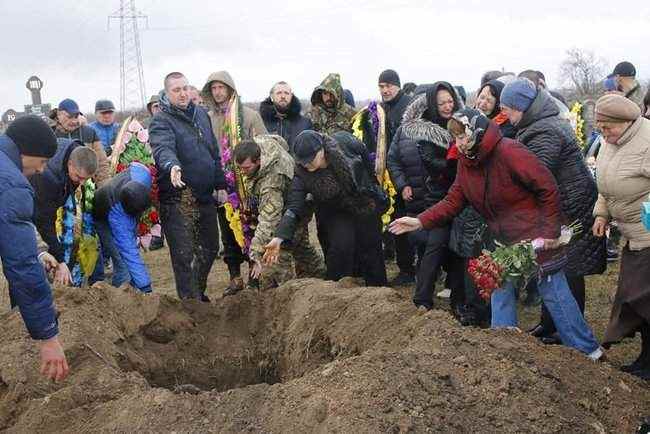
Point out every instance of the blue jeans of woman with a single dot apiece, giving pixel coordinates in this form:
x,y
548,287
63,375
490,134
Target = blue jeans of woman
x,y
554,289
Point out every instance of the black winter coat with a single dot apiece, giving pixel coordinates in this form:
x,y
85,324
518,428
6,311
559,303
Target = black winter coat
x,y
52,188
553,141
185,139
394,112
347,185
287,125
405,163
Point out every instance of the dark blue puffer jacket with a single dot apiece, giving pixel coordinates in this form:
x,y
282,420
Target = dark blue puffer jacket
x,y
28,287
107,207
184,138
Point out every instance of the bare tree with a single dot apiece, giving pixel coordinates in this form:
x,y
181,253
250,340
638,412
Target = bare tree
x,y
581,71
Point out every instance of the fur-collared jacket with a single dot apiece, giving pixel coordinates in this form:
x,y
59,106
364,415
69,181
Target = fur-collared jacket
x,y
286,125
405,162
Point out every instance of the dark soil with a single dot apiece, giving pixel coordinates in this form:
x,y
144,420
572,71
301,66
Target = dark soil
x,y
310,356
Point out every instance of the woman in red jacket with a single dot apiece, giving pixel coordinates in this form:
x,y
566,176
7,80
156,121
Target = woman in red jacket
x,y
518,197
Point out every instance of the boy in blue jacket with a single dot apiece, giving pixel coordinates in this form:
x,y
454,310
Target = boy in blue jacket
x,y
117,208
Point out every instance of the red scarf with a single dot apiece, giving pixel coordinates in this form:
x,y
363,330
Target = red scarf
x,y
500,119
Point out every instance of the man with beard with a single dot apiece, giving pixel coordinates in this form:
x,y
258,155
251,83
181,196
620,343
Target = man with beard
x,y
68,126
329,113
232,122
281,114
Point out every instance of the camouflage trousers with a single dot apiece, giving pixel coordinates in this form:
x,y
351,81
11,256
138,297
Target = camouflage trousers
x,y
301,259
193,237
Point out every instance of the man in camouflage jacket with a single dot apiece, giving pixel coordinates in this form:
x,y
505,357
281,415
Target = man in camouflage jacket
x,y
269,167
329,113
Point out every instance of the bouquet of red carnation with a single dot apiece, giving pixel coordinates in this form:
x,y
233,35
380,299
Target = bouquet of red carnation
x,y
515,263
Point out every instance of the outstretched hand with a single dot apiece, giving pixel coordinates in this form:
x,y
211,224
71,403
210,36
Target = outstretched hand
x,y
272,251
405,224
53,362
175,176
256,270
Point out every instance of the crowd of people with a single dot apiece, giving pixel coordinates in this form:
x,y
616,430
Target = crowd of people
x,y
421,177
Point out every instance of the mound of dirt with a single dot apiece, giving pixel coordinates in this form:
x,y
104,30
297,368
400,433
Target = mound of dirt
x,y
310,356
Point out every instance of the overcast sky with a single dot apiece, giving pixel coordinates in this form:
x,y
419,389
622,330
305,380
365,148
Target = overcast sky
x,y
67,43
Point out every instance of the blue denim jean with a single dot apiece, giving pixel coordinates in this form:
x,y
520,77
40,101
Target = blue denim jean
x,y
120,271
554,289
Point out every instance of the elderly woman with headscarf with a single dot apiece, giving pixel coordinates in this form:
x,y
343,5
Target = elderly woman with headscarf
x,y
518,197
535,116
623,185
421,185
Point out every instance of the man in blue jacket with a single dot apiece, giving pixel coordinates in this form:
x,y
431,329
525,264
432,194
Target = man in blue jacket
x,y
117,208
24,150
189,177
105,125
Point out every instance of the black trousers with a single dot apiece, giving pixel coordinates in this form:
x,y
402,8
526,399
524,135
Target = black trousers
x,y
433,254
577,287
348,239
193,237
404,251
472,297
232,252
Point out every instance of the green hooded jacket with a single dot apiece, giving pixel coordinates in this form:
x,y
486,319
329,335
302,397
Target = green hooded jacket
x,y
330,120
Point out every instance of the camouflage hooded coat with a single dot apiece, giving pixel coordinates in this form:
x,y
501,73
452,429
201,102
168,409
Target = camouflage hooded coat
x,y
330,120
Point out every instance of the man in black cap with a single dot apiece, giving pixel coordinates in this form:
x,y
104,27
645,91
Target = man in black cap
x,y
105,125
67,126
24,149
625,75
394,102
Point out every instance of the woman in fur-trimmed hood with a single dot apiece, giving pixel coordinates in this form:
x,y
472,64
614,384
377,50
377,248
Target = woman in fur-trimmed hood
x,y
424,125
422,164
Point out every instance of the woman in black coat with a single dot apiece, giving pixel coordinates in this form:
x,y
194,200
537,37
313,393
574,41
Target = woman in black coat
x,y
535,116
336,171
424,127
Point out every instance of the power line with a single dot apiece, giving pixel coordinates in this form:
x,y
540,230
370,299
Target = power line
x,y
132,88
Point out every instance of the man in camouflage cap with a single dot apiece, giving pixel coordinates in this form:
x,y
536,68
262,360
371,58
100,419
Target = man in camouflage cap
x,y
329,113
268,168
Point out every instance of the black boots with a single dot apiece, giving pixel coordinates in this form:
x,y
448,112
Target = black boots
x,y
641,366
236,284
